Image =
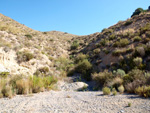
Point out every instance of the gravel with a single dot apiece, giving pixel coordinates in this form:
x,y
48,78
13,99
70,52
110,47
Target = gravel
x,y
74,102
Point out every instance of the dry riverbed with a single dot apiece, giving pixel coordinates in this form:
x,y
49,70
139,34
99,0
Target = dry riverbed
x,y
74,102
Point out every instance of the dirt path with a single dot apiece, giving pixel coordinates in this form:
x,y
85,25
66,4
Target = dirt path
x,y
74,102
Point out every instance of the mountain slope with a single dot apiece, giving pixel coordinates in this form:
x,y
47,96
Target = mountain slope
x,y
24,50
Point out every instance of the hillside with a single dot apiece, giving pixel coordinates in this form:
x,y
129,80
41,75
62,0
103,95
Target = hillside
x,y
117,58
24,50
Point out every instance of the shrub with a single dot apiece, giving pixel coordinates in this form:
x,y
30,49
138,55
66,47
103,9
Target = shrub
x,y
75,45
84,67
143,91
106,91
36,84
4,74
118,52
121,89
44,69
120,72
80,57
28,36
114,91
128,22
137,39
124,42
137,61
133,75
103,42
7,91
24,56
140,51
22,86
102,77
97,51
117,81
130,87
129,104
137,11
112,37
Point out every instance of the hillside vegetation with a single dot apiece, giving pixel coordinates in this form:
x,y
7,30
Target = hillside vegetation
x,y
119,55
118,58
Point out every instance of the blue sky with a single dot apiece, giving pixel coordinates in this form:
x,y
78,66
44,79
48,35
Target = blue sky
x,y
80,17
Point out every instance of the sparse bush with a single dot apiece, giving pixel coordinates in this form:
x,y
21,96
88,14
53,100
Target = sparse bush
x,y
118,52
24,56
114,91
120,72
44,69
129,104
143,91
4,74
28,36
22,86
75,45
80,57
137,39
84,67
102,77
137,61
112,37
121,89
106,91
140,51
130,87
124,42
128,22
7,91
97,51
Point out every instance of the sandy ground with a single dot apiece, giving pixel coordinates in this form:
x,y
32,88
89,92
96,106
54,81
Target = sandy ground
x,y
74,102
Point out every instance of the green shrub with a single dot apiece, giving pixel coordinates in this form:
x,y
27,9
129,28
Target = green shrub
x,y
137,39
118,52
28,36
103,42
24,56
121,89
137,11
137,61
128,22
96,51
140,51
84,67
44,70
131,86
116,44
112,37
120,72
106,91
75,45
143,91
102,77
80,57
124,42
129,104
4,74
7,91
114,92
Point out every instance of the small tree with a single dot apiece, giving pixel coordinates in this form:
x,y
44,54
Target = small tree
x,y
137,11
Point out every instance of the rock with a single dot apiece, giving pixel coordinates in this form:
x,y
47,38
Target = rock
x,y
72,86
3,69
